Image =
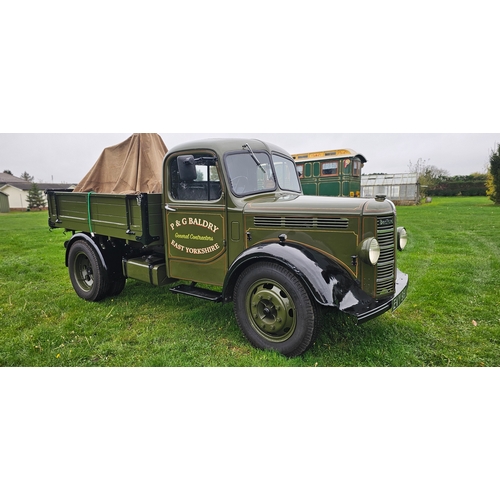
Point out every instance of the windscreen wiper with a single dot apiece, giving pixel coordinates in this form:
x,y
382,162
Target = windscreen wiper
x,y
258,163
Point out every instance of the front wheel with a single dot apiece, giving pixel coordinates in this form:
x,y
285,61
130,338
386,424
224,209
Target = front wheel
x,y
274,310
88,276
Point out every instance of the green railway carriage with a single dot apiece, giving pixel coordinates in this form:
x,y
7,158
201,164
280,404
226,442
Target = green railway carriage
x,y
335,172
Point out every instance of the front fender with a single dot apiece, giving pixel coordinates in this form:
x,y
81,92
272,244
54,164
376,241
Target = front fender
x,y
327,281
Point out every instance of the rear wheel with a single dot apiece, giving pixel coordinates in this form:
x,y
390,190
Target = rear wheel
x,y
274,310
116,286
88,276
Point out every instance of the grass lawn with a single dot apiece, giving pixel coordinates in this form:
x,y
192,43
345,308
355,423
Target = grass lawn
x,y
450,318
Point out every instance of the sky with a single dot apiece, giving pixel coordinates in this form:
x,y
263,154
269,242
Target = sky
x,y
67,157
430,95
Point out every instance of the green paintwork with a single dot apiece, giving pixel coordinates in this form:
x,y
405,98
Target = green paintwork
x,y
113,215
146,270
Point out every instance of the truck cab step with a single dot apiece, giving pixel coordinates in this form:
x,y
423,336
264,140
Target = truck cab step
x,y
200,293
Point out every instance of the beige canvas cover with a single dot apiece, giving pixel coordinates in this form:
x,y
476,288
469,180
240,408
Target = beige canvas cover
x,y
131,167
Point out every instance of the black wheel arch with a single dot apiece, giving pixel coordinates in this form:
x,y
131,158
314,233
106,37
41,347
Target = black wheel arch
x,y
327,281
111,258
88,239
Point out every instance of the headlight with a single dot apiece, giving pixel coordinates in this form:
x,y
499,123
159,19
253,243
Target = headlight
x,y
402,238
370,251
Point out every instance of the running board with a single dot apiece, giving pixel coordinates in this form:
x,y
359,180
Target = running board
x,y
200,293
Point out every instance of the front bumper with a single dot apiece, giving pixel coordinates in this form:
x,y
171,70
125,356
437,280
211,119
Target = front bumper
x,y
364,311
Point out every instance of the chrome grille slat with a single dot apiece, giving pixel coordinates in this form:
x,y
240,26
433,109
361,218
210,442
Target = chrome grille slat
x,y
387,261
332,223
297,222
268,221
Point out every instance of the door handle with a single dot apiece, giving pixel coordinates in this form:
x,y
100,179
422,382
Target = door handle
x,y
170,209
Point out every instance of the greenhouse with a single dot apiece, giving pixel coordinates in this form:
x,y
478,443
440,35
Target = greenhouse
x,y
402,189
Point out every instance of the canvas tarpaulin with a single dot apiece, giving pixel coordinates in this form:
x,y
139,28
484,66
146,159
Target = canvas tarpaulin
x,y
131,167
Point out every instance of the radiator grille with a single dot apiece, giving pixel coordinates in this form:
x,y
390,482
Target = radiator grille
x,y
387,262
302,222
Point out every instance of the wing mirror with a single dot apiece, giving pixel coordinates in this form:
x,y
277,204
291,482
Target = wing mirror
x,y
187,168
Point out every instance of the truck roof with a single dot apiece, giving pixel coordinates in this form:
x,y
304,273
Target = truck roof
x,y
223,145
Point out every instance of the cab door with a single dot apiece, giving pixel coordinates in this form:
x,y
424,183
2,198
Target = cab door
x,y
195,220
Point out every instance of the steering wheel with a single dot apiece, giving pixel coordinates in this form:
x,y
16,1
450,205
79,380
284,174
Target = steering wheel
x,y
239,183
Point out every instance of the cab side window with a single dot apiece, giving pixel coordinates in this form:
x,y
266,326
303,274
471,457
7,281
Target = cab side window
x,y
201,183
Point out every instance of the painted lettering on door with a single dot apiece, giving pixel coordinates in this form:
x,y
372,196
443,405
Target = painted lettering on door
x,y
195,237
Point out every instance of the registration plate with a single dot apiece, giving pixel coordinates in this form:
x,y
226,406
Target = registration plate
x,y
398,299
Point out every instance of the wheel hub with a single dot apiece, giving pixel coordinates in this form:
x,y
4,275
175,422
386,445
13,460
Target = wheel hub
x,y
272,312
87,275
85,272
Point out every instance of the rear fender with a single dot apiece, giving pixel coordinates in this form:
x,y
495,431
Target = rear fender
x,y
84,237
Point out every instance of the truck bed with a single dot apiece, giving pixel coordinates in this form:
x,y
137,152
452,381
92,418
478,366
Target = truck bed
x,y
128,217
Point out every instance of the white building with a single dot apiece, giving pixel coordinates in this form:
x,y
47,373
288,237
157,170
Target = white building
x,y
17,190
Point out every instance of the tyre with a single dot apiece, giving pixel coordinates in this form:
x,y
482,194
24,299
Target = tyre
x,y
88,276
274,310
116,286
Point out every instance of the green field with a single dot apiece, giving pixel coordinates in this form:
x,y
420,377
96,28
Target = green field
x,y
450,318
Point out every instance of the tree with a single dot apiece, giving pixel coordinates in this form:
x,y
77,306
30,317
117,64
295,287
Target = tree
x,y
27,177
35,198
493,181
8,172
429,176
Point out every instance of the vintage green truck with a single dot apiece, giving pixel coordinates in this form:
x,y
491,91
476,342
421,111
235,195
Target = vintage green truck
x,y
232,215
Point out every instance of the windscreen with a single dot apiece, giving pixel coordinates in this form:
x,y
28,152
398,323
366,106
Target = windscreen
x,y
246,177
286,173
